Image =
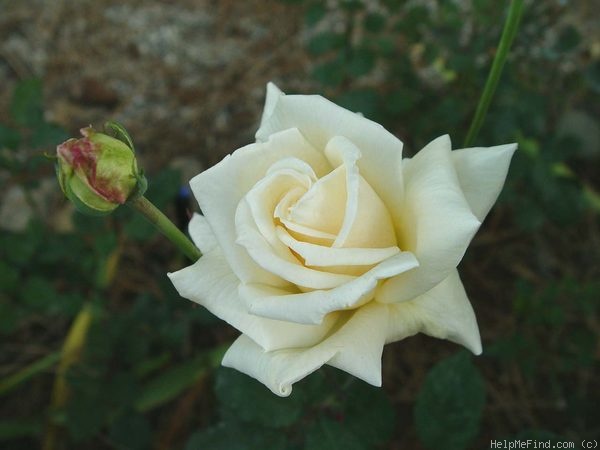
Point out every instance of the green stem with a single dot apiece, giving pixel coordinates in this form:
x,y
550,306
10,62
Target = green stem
x,y
166,227
39,366
508,34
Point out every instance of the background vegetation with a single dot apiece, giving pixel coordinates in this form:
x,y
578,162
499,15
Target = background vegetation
x,y
99,352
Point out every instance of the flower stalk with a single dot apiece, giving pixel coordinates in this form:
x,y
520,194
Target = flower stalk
x,y
142,205
72,349
508,34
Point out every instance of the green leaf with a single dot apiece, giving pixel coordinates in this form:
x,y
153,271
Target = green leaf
x,y
244,398
374,22
370,429
401,101
47,136
9,278
342,401
131,431
361,62
351,5
384,46
163,187
173,382
393,5
236,436
9,138
26,106
9,316
329,434
120,132
568,39
315,13
450,403
87,411
139,229
330,73
325,42
45,363
364,101
19,428
19,248
592,76
38,293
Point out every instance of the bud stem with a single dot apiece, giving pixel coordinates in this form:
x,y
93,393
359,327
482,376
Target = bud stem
x,y
166,227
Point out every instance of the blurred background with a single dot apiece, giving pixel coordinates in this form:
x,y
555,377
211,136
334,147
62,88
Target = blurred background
x,y
97,351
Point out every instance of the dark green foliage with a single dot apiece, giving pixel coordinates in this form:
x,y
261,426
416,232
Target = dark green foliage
x,y
27,108
450,404
247,400
330,434
236,436
132,431
9,138
365,101
325,411
325,42
314,13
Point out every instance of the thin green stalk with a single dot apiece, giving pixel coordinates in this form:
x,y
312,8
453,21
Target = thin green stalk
x,y
33,369
508,34
166,227
71,352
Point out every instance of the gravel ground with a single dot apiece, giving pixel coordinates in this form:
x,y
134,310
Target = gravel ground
x,y
186,77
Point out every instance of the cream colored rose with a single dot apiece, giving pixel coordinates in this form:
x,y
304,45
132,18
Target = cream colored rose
x,y
321,244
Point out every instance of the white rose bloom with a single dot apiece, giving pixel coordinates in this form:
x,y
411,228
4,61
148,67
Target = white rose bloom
x,y
321,244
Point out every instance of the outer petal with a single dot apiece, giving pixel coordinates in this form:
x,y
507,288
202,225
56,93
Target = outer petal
x,y
211,283
437,222
319,120
355,347
312,307
444,312
220,189
201,233
481,172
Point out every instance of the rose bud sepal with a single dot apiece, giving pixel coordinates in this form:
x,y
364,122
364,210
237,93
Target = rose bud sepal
x,y
99,172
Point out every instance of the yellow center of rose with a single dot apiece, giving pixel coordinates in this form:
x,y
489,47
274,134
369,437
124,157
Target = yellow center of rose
x,y
335,225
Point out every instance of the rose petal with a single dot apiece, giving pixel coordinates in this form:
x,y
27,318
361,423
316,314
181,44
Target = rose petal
x,y
264,197
211,283
437,222
282,264
355,347
341,152
322,206
319,120
323,256
220,189
443,312
302,232
367,222
201,233
311,307
481,173
342,203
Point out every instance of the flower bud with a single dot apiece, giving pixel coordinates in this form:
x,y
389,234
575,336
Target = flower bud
x,y
98,172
